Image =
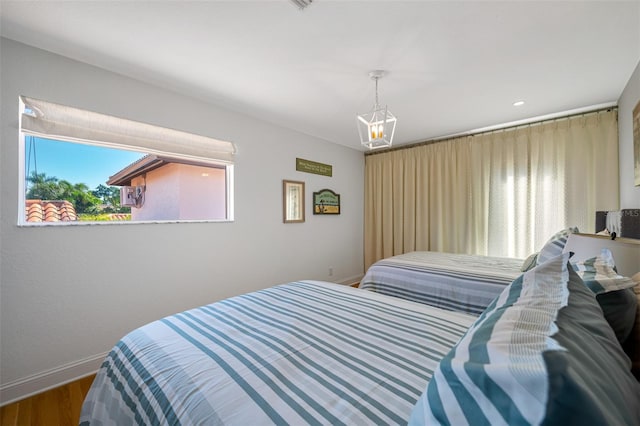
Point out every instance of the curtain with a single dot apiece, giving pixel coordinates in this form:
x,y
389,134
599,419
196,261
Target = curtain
x,y
500,193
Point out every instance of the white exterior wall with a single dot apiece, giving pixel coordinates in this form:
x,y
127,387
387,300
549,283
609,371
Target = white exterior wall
x,y
184,192
202,192
67,294
161,198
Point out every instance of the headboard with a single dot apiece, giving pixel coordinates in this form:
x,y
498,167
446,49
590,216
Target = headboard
x,y
625,223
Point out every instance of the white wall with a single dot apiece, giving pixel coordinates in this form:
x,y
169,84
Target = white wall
x,y
629,194
68,294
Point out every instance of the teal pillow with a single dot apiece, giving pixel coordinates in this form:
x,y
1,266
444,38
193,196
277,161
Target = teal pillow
x,y
619,309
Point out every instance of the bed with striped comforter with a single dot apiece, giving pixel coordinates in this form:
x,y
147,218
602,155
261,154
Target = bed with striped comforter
x,y
459,282
307,352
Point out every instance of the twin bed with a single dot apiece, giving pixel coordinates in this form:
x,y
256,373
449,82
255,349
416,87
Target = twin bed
x,y
300,353
312,352
459,282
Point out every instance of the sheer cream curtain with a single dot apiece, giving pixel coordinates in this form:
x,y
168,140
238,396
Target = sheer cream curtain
x,y
501,193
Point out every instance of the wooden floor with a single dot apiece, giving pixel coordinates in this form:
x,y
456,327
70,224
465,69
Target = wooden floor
x,y
55,407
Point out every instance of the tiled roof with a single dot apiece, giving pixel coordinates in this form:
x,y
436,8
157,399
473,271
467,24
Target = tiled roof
x,y
50,211
120,216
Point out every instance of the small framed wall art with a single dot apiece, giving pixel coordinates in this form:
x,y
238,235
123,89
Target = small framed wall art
x,y
326,201
292,201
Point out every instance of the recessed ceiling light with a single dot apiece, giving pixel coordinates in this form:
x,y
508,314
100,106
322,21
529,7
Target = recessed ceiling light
x,y
518,103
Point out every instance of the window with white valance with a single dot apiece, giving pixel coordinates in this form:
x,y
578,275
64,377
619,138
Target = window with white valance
x,y
178,176
55,121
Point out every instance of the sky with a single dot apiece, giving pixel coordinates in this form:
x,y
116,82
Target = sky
x,y
75,162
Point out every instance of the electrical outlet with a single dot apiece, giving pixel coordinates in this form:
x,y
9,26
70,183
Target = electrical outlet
x,y
330,271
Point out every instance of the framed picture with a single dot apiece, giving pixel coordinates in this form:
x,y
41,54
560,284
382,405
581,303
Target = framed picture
x,y
293,201
636,143
326,201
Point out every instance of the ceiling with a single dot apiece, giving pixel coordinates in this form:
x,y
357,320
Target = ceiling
x,y
453,66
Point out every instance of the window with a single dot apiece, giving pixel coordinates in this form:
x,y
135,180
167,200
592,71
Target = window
x,y
79,167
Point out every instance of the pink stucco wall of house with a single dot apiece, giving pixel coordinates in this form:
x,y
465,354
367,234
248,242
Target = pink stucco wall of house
x,y
182,192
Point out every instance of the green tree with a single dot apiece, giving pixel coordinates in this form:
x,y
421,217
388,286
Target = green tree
x,y
45,187
42,187
80,196
110,196
103,192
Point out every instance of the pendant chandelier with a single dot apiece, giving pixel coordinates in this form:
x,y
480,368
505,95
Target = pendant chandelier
x,y
376,127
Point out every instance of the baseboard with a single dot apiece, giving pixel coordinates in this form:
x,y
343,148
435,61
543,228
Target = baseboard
x,y
37,383
351,280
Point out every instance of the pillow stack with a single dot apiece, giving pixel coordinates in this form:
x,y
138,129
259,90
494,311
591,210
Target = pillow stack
x,y
541,353
613,292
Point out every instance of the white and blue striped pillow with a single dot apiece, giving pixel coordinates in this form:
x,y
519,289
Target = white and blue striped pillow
x,y
496,373
600,275
554,246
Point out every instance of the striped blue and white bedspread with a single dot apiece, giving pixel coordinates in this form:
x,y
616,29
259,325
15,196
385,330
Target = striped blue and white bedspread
x,y
460,282
301,353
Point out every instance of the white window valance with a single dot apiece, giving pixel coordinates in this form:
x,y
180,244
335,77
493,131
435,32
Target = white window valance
x,y
55,121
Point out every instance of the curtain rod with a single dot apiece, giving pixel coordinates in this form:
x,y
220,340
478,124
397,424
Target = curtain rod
x,y
494,130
